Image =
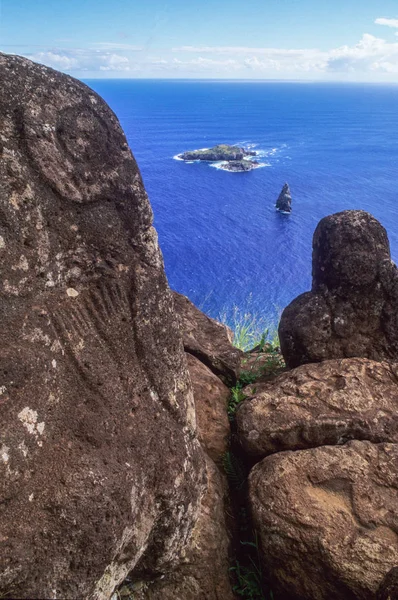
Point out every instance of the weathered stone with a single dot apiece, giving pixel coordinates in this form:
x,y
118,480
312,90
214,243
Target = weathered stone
x,y
208,340
101,472
352,309
240,166
321,404
327,519
388,589
211,400
204,574
217,153
284,201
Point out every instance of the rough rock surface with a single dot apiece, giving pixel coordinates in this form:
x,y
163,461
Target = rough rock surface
x,y
211,399
327,519
352,309
240,166
321,404
204,574
284,201
101,472
388,589
208,340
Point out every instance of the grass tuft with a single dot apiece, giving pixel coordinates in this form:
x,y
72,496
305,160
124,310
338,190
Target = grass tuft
x,y
250,329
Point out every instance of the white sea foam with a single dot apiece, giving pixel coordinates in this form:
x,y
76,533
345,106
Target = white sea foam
x,y
178,157
219,164
264,153
246,144
272,152
222,164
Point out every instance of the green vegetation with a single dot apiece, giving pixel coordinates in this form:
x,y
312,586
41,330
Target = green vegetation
x,y
260,366
234,470
250,330
249,576
264,365
262,360
246,572
237,396
249,581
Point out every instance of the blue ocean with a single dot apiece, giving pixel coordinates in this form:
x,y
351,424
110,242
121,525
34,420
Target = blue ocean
x,y
224,245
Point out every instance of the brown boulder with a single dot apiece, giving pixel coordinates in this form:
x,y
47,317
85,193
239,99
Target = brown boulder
x,y
321,404
352,309
204,573
211,399
327,519
101,472
208,340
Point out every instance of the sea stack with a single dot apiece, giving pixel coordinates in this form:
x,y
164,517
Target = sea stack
x,y
284,202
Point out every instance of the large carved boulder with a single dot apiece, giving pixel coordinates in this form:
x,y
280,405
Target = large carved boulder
x,y
327,519
101,471
320,404
208,340
352,309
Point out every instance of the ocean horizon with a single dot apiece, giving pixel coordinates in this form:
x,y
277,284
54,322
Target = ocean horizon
x,y
223,242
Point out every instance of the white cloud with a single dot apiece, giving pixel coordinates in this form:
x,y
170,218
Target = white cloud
x,y
370,54
261,64
387,22
114,62
241,50
83,60
205,62
371,58
55,60
198,65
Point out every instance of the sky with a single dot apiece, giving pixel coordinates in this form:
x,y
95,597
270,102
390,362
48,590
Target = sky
x,y
343,40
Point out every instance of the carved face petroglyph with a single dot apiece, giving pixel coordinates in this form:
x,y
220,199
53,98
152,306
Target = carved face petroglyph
x,y
72,151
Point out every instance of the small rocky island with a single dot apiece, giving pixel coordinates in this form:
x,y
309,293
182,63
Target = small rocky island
x,y
240,165
284,202
234,158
